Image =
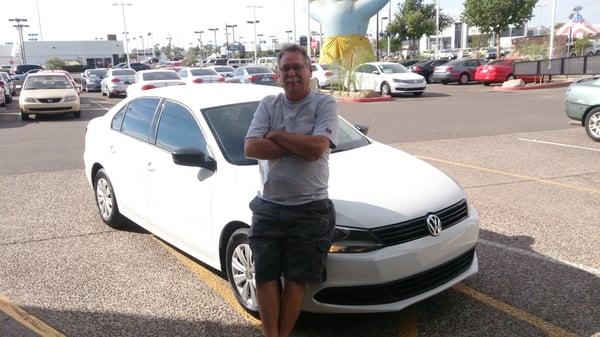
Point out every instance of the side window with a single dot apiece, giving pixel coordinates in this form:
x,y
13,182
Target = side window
x,y
118,119
314,68
362,69
178,129
138,118
183,73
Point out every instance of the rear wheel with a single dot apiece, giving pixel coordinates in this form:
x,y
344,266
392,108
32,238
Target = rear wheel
x,y
240,270
385,89
24,116
463,79
592,124
107,201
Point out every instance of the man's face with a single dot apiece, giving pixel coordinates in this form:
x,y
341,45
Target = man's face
x,y
295,76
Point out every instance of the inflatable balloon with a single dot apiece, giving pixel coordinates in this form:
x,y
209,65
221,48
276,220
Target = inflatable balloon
x,y
345,24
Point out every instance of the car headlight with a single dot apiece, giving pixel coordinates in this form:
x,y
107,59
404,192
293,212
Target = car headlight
x,y
70,98
30,100
353,240
397,80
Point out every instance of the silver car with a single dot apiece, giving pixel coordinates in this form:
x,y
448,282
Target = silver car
x,y
91,78
253,74
116,81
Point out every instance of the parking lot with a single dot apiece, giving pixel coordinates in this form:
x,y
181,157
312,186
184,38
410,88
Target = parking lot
x,y
534,179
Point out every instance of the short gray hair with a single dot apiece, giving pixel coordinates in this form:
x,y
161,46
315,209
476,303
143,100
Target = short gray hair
x,y
293,48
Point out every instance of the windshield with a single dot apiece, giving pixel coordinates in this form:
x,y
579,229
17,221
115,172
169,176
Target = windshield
x,y
258,70
123,72
229,124
202,72
97,72
47,82
224,69
159,76
392,68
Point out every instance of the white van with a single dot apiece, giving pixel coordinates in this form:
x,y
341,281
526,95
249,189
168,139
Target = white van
x,y
269,62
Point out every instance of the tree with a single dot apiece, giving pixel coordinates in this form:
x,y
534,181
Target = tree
x,y
415,19
495,16
54,63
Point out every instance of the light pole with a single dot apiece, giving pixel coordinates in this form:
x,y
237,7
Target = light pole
x,y
437,28
294,15
20,27
37,5
254,22
33,36
288,35
214,30
272,42
199,32
232,34
137,51
152,44
382,19
539,28
123,4
388,36
143,47
550,52
259,42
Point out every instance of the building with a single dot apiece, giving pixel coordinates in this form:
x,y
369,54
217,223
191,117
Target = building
x,y
92,54
6,54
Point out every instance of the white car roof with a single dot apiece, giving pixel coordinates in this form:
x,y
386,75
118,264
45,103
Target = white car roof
x,y
156,71
213,94
45,74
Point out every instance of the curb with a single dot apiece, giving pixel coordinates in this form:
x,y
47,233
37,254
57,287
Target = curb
x,y
364,99
536,87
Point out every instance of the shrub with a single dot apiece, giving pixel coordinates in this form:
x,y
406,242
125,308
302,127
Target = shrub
x,y
55,63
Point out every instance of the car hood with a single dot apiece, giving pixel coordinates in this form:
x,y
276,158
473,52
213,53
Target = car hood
x,y
45,93
377,185
404,76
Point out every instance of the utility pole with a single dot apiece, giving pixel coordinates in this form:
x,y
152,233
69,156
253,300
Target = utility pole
x,y
143,48
20,27
37,5
199,32
232,34
214,30
294,15
226,41
272,42
389,22
254,21
123,4
308,33
551,51
152,44
288,35
437,28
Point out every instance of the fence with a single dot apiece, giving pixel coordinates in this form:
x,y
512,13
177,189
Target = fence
x,y
584,65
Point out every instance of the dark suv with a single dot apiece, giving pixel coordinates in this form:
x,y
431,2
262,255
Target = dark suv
x,y
23,68
425,68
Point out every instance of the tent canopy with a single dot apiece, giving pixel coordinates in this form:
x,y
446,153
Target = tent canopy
x,y
578,27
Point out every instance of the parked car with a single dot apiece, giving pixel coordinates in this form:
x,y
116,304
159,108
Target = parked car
x,y
593,50
137,66
200,75
217,62
5,92
400,237
408,63
116,81
325,74
239,62
449,54
152,79
23,68
48,93
499,71
2,98
425,68
269,62
91,78
23,76
583,105
76,85
222,70
388,78
254,75
4,76
460,70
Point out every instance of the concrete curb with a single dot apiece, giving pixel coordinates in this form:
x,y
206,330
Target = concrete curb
x,y
536,87
345,99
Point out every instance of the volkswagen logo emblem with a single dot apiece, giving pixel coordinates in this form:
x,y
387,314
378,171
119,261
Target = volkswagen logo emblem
x,y
434,224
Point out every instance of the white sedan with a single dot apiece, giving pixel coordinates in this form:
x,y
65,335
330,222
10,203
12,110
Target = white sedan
x,y
200,75
388,78
152,79
174,160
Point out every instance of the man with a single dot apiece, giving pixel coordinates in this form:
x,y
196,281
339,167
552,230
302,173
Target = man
x,y
293,219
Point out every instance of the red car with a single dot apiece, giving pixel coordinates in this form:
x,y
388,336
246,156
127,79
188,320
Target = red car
x,y
499,71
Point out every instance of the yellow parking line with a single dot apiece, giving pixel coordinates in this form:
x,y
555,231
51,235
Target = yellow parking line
x,y
485,169
29,321
408,323
549,328
217,284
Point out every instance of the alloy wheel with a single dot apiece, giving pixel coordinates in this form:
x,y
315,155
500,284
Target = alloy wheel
x,y
105,199
594,124
242,268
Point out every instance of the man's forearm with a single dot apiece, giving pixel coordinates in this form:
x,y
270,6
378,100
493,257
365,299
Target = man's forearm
x,y
262,148
307,146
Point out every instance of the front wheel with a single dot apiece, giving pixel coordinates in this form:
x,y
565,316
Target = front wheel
x,y
592,124
24,116
463,79
240,270
385,89
107,201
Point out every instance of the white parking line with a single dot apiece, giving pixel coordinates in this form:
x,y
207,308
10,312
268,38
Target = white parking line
x,y
539,256
100,105
559,144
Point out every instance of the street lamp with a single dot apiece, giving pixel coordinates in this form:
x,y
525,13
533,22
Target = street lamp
x,y
288,35
123,4
272,42
152,44
143,47
20,27
254,22
199,32
232,34
383,18
214,30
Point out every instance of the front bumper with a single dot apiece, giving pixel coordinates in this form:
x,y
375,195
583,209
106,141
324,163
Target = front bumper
x,y
445,77
379,281
575,111
408,87
50,108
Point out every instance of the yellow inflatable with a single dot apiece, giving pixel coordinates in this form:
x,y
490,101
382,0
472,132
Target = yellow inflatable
x,y
346,50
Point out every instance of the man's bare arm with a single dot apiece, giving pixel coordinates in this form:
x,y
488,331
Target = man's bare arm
x,y
263,148
307,146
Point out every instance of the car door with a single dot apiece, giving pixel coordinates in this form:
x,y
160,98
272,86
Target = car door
x,y
472,67
128,149
360,76
179,197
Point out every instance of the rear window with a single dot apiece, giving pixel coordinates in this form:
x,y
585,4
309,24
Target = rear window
x,y
224,69
162,75
123,72
201,72
258,70
97,73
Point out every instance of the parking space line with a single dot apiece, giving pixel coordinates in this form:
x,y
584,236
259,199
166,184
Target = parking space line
x,y
408,323
549,328
489,170
100,105
559,144
217,284
29,321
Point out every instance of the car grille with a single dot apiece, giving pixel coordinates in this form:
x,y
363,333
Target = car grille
x,y
398,290
417,228
51,109
49,100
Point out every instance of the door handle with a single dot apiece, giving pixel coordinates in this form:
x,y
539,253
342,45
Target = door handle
x,y
150,167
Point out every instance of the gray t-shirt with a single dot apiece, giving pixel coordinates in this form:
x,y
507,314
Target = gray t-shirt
x,y
293,180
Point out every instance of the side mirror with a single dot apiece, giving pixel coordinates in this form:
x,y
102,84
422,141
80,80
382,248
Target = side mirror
x,y
375,72
362,128
229,75
194,157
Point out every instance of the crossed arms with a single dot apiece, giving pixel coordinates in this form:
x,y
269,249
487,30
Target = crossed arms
x,y
279,143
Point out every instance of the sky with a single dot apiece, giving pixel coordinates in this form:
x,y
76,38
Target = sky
x,y
69,20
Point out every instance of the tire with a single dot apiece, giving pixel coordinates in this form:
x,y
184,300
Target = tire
x,y
102,91
77,114
487,84
110,95
106,200
241,277
417,93
385,89
592,124
463,79
24,116
510,77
